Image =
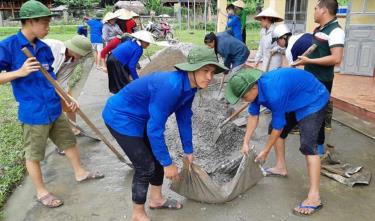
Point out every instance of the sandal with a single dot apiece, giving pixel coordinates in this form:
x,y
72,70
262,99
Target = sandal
x,y
60,151
269,173
312,209
49,199
92,176
169,204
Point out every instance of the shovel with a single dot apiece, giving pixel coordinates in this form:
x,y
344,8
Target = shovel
x,y
82,131
65,97
218,131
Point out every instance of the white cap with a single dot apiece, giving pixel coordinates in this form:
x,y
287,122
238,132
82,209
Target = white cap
x,y
239,3
280,30
109,16
123,14
269,12
144,36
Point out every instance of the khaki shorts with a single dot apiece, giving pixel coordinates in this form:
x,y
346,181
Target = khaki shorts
x,y
35,137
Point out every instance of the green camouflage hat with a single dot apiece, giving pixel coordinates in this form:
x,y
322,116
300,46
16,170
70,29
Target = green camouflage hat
x,y
199,57
79,44
99,14
240,83
33,9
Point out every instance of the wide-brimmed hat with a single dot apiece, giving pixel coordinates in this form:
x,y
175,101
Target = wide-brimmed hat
x,y
199,57
271,13
123,14
240,83
239,3
109,16
33,9
79,44
133,14
145,36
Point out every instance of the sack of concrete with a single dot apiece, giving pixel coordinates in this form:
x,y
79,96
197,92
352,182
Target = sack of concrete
x,y
347,174
197,184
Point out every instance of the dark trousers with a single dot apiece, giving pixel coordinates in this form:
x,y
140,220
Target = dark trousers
x,y
244,35
118,74
327,114
147,169
309,130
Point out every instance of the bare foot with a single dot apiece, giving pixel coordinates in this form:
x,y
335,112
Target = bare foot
x,y
140,217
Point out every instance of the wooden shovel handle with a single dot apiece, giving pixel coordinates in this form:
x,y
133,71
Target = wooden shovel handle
x,y
306,53
243,107
65,97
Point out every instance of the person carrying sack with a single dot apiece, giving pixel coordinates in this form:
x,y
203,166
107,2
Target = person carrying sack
x,y
136,117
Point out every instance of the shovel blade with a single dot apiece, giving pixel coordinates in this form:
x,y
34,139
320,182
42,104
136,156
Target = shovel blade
x,y
217,134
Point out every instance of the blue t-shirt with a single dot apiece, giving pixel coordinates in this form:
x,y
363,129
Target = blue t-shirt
x,y
287,90
38,102
146,104
234,24
128,54
96,27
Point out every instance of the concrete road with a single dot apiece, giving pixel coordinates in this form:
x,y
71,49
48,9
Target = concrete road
x,y
109,199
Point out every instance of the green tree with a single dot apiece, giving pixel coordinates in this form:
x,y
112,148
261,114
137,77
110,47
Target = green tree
x,y
77,3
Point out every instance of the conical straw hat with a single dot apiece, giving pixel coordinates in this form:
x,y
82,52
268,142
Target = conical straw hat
x,y
144,36
109,16
269,12
123,14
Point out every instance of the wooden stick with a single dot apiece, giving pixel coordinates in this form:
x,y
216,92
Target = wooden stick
x,y
306,53
243,107
66,98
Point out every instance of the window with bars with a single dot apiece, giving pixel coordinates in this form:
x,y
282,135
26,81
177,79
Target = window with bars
x,y
295,10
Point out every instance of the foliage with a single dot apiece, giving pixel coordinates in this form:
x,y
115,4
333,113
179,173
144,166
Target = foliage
x,y
343,2
153,5
77,3
12,166
252,5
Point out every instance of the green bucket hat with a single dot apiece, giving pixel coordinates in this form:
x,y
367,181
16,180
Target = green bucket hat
x,y
79,44
33,9
240,83
199,57
99,14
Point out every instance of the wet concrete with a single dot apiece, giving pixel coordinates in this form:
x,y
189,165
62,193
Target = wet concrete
x,y
271,199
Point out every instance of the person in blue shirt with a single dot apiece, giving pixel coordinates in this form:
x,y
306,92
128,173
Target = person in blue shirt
x,y
122,62
136,117
283,91
96,26
40,109
82,30
233,51
234,23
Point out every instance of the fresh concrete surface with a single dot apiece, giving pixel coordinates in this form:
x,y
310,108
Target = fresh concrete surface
x,y
109,199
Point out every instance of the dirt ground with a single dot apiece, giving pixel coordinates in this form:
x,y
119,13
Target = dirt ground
x,y
271,199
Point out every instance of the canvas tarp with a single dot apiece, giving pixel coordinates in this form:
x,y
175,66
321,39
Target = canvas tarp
x,y
197,184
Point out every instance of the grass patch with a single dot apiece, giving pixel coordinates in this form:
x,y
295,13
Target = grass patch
x,y
12,166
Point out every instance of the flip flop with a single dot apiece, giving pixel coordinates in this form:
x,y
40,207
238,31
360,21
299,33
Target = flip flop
x,y
92,176
47,201
169,204
269,173
314,209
